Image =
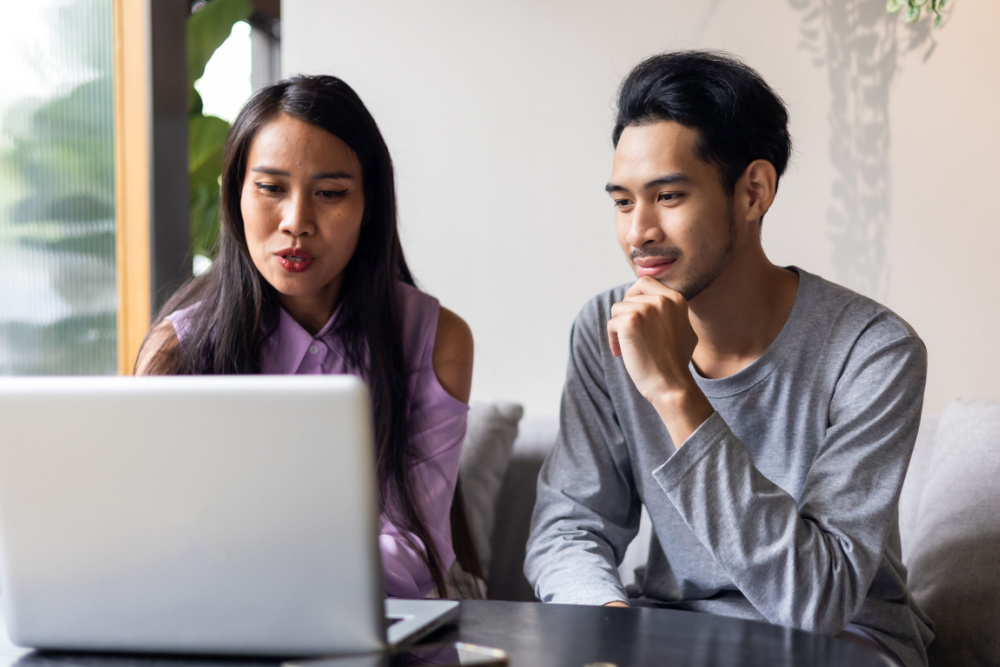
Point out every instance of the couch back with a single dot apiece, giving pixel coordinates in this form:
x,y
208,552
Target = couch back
x,y
949,522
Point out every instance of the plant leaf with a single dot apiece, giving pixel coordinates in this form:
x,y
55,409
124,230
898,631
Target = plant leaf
x,y
912,14
893,6
206,140
207,29
204,218
206,143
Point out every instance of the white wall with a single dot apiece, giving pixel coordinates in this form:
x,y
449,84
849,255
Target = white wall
x,y
498,115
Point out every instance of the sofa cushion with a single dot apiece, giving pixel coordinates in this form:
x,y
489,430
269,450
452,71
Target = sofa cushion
x,y
954,557
485,456
505,577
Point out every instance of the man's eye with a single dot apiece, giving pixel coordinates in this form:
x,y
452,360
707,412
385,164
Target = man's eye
x,y
669,196
623,203
331,194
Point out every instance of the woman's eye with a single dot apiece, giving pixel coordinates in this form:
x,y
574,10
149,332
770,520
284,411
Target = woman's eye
x,y
267,187
331,194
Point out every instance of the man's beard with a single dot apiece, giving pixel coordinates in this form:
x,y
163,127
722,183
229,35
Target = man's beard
x,y
698,278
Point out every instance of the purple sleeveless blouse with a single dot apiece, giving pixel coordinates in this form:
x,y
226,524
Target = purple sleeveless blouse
x,y
436,421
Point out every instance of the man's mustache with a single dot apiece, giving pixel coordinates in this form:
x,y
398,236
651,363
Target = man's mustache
x,y
670,253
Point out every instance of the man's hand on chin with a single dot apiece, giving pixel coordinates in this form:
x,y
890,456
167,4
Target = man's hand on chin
x,y
650,330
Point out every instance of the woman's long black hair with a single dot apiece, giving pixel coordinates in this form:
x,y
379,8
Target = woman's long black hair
x,y
239,309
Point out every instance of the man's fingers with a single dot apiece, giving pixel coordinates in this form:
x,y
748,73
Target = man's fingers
x,y
633,304
642,286
647,285
616,348
646,310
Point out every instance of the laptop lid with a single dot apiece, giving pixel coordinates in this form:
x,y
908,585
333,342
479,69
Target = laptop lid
x,y
230,515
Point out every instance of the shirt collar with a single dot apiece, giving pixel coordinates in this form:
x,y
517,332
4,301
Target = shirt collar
x,y
285,348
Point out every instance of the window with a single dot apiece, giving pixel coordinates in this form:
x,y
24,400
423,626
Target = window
x,y
58,298
79,279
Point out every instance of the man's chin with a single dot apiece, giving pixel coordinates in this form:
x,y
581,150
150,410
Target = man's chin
x,y
672,285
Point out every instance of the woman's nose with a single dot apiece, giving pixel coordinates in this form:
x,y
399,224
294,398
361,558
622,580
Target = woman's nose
x,y
298,218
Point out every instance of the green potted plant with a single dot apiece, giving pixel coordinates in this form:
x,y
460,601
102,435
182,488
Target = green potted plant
x,y
914,9
207,28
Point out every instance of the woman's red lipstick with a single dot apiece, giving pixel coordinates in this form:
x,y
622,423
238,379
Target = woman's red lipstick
x,y
295,260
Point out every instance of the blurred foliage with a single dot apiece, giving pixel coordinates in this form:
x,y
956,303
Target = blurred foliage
x,y
914,8
207,29
58,297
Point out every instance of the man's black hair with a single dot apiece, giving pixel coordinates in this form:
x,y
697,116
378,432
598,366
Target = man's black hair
x,y
738,117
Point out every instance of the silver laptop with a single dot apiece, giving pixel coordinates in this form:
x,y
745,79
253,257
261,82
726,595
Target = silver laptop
x,y
222,515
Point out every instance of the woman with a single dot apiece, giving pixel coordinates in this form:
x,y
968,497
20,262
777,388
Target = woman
x,y
310,278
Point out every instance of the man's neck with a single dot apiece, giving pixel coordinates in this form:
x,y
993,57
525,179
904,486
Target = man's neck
x,y
741,313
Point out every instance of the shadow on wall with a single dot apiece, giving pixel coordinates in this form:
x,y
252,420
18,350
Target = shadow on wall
x,y
862,48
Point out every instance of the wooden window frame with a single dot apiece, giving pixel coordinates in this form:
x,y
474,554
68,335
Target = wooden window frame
x,y
151,179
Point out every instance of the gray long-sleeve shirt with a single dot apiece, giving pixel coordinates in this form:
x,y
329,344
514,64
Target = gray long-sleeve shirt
x,y
780,507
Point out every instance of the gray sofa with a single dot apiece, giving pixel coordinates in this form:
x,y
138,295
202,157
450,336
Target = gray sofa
x,y
949,517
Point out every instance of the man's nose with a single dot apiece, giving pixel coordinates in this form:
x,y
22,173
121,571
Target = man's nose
x,y
644,227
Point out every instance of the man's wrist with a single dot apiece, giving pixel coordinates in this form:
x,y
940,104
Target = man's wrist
x,y
682,410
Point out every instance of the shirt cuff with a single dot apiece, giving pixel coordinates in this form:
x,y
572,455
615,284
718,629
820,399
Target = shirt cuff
x,y
594,596
698,445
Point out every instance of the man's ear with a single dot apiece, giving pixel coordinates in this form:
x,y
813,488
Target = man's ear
x,y
756,189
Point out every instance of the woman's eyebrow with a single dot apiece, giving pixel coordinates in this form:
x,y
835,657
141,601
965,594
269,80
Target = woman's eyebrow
x,y
316,177
270,171
331,174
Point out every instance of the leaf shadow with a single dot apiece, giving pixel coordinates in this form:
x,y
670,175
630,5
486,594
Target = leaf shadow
x,y
861,47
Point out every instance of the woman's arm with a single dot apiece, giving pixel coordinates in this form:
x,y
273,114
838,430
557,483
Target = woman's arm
x,y
438,430
453,352
162,340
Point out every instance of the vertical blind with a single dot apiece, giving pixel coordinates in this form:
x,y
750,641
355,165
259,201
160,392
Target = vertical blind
x,y
58,302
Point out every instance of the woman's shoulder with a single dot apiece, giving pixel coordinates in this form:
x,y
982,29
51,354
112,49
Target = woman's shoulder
x,y
161,341
183,319
418,315
165,338
417,309
424,321
453,354
436,339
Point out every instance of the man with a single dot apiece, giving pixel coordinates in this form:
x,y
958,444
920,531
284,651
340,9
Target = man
x,y
764,416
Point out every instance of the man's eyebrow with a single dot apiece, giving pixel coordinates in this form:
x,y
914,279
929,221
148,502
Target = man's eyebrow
x,y
316,177
668,179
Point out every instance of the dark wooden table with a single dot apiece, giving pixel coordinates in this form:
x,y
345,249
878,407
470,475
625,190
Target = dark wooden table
x,y
573,636
537,635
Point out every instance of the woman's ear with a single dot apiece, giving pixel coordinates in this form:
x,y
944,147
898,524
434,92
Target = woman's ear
x,y
756,189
